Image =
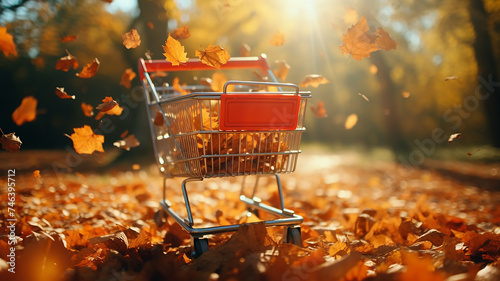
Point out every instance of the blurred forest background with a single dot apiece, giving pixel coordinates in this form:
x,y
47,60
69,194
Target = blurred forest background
x,y
429,84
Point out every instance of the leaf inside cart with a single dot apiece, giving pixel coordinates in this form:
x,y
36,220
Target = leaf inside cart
x,y
89,70
159,120
213,56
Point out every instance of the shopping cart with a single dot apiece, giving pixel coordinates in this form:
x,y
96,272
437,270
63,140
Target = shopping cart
x,y
250,128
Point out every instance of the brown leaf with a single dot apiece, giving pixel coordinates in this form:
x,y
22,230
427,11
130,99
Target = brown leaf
x,y
10,142
124,134
336,269
87,109
68,38
26,112
313,80
7,45
150,25
62,94
131,39
181,33
454,136
174,51
319,110
107,104
127,143
278,39
385,41
351,121
358,40
127,76
67,62
159,120
434,236
89,70
282,70
213,56
85,141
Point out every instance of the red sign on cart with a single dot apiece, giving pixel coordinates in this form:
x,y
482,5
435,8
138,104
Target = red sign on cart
x,y
259,112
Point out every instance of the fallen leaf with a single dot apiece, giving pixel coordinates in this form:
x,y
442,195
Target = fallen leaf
x,y
7,45
62,94
313,80
213,56
68,38
67,62
181,33
454,136
319,110
36,174
364,97
432,235
131,39
174,51
107,104
10,142
419,268
127,143
87,109
159,120
85,141
26,112
282,70
278,39
245,50
351,121
127,77
89,70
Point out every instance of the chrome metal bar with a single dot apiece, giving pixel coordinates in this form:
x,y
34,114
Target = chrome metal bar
x,y
280,191
186,199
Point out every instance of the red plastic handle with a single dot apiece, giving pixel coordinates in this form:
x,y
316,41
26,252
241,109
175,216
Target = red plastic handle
x,y
195,64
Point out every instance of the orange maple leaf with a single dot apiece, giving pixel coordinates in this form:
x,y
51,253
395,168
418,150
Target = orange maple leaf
x,y
62,94
174,51
26,112
127,77
85,141
65,63
313,80
7,45
181,33
213,56
89,70
131,39
278,39
359,41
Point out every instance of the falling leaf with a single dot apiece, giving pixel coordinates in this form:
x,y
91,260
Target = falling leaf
x,y
174,51
36,174
364,97
178,87
278,39
313,80
451,78
38,62
245,50
7,45
358,41
62,94
127,143
218,81
282,70
213,56
151,25
181,33
89,70
319,110
350,16
26,112
87,109
373,69
405,94
131,39
10,142
159,120
67,62
454,136
85,141
124,134
351,121
385,41
127,77
107,104
68,38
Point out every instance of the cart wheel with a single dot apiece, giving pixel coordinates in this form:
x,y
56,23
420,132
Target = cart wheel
x,y
293,236
160,217
200,246
254,211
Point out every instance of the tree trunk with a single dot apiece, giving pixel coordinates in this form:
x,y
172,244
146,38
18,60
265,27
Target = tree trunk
x,y
153,11
486,66
387,94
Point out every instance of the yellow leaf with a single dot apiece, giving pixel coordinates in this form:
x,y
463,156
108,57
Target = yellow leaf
x,y
174,51
213,56
85,141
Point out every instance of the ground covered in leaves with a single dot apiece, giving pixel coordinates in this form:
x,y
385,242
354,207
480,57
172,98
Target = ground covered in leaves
x,y
375,221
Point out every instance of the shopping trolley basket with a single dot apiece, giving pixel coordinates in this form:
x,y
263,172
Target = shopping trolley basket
x,y
250,128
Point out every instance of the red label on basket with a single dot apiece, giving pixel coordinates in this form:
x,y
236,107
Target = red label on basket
x,y
259,112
